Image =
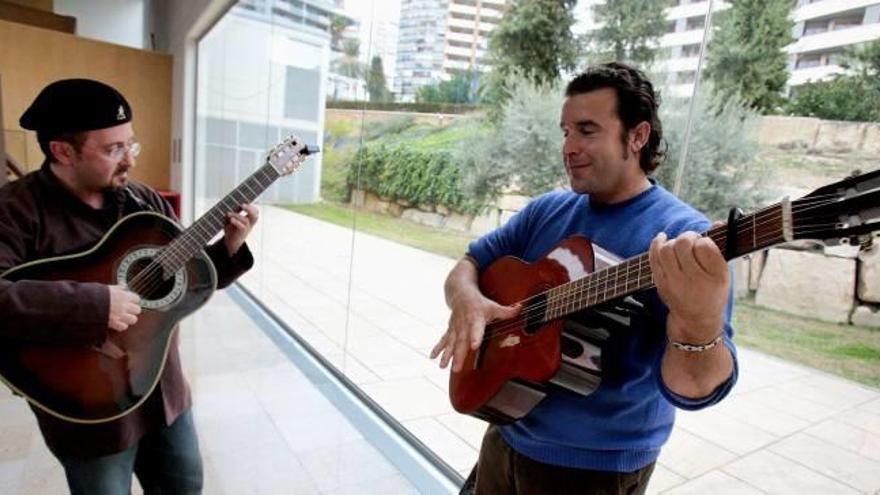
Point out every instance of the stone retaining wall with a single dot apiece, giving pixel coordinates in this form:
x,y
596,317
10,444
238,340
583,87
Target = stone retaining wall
x,y
838,284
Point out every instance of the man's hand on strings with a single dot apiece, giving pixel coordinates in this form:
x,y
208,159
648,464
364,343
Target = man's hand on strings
x,y
471,312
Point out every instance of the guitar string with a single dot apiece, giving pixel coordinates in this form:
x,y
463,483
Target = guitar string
x,y
516,324
152,274
183,241
594,280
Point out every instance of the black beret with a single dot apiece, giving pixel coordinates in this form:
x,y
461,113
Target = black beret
x,y
73,105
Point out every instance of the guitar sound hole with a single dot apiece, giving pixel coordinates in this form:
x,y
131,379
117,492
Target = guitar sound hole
x,y
147,280
535,316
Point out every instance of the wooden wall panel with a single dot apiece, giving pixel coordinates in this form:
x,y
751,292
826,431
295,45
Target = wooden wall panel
x,y
47,5
37,17
42,56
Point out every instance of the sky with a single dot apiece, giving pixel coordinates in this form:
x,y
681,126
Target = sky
x,y
365,9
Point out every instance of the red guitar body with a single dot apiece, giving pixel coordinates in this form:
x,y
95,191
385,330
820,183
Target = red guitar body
x,y
503,379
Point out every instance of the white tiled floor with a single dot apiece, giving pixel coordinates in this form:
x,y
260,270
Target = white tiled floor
x,y
263,426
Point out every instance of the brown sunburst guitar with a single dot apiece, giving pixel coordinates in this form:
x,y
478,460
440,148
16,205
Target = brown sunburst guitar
x,y
167,267
523,359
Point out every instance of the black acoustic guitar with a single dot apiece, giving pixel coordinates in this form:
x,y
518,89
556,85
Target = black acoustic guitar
x,y
167,267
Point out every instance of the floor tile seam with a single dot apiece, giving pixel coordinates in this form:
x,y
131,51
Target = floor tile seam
x,y
400,309
847,449
774,407
759,427
833,405
301,280
776,438
766,447
316,327
208,459
811,468
678,473
717,469
837,417
454,433
741,480
293,453
390,335
837,378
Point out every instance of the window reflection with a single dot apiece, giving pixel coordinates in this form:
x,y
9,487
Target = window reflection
x,y
417,183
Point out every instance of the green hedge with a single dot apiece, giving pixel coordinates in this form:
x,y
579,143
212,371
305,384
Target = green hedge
x,y
404,107
420,176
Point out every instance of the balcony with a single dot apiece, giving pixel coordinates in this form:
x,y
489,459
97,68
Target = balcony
x,y
835,39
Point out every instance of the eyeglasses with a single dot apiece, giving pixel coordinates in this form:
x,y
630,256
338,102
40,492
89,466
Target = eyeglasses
x,y
119,151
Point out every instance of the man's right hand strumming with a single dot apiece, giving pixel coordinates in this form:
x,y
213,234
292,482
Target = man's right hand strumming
x,y
471,312
125,306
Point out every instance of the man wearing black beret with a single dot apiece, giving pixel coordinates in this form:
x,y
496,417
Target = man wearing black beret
x,y
83,188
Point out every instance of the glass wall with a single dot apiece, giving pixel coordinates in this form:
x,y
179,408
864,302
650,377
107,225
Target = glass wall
x,y
352,249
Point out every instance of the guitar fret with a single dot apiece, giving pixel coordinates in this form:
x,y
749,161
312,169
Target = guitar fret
x,y
190,241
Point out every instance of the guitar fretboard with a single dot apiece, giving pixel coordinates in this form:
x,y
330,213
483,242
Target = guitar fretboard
x,y
194,238
753,232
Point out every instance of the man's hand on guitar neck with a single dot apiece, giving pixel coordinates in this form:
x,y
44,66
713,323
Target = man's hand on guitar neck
x,y
125,306
471,312
693,281
238,226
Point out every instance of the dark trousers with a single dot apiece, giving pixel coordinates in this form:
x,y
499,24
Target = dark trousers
x,y
166,462
502,470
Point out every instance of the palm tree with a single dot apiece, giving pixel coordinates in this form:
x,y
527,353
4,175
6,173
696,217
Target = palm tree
x,y
349,63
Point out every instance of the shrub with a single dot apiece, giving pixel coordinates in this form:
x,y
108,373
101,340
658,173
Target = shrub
x,y
720,167
851,98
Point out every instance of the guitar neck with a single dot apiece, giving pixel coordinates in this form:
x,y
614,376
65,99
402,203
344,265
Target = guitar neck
x,y
753,232
194,238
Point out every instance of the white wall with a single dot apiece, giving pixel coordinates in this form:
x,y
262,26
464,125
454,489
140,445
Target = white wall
x,y
179,24
115,21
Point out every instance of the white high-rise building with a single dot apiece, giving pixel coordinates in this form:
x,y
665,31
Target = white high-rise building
x,y
680,44
439,37
823,30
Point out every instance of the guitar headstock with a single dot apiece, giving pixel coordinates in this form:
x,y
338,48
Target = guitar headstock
x,y
289,154
843,212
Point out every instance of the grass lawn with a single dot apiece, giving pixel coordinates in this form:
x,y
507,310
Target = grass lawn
x,y
845,350
849,351
446,243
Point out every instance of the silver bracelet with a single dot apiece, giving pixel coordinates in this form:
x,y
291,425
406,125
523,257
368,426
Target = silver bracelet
x,y
684,346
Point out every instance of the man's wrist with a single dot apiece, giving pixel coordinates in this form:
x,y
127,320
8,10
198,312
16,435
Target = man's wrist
x,y
697,331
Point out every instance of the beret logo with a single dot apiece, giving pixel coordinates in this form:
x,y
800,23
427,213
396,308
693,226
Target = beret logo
x,y
120,114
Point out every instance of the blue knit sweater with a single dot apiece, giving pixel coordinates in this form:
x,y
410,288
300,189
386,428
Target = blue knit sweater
x,y
624,423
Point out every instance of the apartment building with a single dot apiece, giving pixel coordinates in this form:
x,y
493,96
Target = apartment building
x,y
680,44
439,37
823,30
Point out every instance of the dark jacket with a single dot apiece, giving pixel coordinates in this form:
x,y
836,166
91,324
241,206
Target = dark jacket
x,y
40,218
